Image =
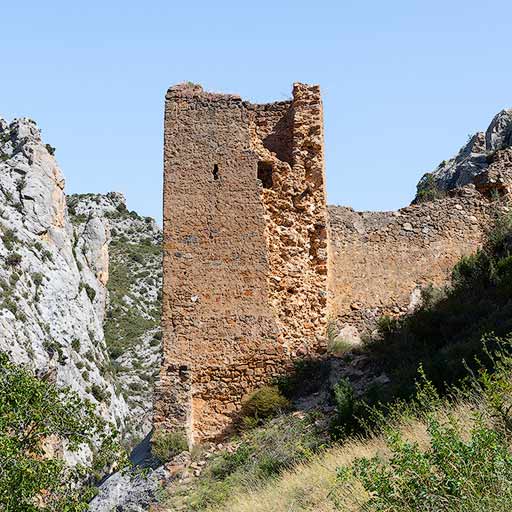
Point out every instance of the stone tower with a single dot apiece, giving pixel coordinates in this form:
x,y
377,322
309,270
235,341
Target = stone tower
x,y
245,250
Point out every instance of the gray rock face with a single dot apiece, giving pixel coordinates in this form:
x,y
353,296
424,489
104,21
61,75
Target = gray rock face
x,y
70,274
130,491
474,158
132,320
52,276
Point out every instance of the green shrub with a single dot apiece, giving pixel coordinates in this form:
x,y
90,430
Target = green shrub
x,y
454,474
338,346
20,184
136,386
9,239
344,400
99,393
37,278
31,411
50,149
264,403
387,324
13,259
461,469
14,278
165,445
115,351
121,208
138,258
90,291
9,304
47,255
427,189
75,345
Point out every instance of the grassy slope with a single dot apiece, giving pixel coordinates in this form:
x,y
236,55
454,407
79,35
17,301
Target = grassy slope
x,y
314,486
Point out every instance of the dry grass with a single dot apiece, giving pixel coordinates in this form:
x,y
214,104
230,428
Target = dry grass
x,y
312,487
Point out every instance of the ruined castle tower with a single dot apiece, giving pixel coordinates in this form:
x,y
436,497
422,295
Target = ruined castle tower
x,y
245,250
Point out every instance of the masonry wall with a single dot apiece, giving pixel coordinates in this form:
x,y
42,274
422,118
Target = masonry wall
x,y
381,260
236,306
296,217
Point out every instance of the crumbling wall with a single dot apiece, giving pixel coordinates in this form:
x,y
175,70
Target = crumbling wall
x,y
296,217
254,264
381,260
245,250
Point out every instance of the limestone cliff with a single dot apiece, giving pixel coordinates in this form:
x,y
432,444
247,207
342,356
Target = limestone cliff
x,y
79,283
52,276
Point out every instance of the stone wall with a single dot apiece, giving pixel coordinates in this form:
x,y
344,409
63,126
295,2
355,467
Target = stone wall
x,y
381,260
245,250
255,264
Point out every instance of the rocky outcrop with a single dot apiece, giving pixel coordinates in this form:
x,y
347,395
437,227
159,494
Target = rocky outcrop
x,y
52,274
132,314
80,281
479,162
131,491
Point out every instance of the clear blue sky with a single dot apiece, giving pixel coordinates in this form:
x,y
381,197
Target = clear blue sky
x,y
404,82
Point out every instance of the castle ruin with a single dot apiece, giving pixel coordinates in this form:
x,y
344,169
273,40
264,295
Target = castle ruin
x,y
245,250
255,264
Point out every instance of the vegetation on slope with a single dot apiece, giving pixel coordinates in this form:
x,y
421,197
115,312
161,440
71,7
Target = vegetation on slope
x,y
36,421
431,454
258,455
128,317
132,317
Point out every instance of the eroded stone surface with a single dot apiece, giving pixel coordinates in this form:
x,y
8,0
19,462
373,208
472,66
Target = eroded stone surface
x,y
245,250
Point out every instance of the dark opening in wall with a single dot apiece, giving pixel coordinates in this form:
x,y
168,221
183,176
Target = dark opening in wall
x,y
215,171
265,174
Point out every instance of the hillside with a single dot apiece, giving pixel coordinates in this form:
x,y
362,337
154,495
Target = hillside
x,y
353,443
132,315
79,280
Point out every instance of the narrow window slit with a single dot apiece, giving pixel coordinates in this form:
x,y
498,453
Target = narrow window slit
x,y
265,174
215,171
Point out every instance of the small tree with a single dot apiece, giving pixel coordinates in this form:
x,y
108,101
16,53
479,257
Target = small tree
x,y
35,414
